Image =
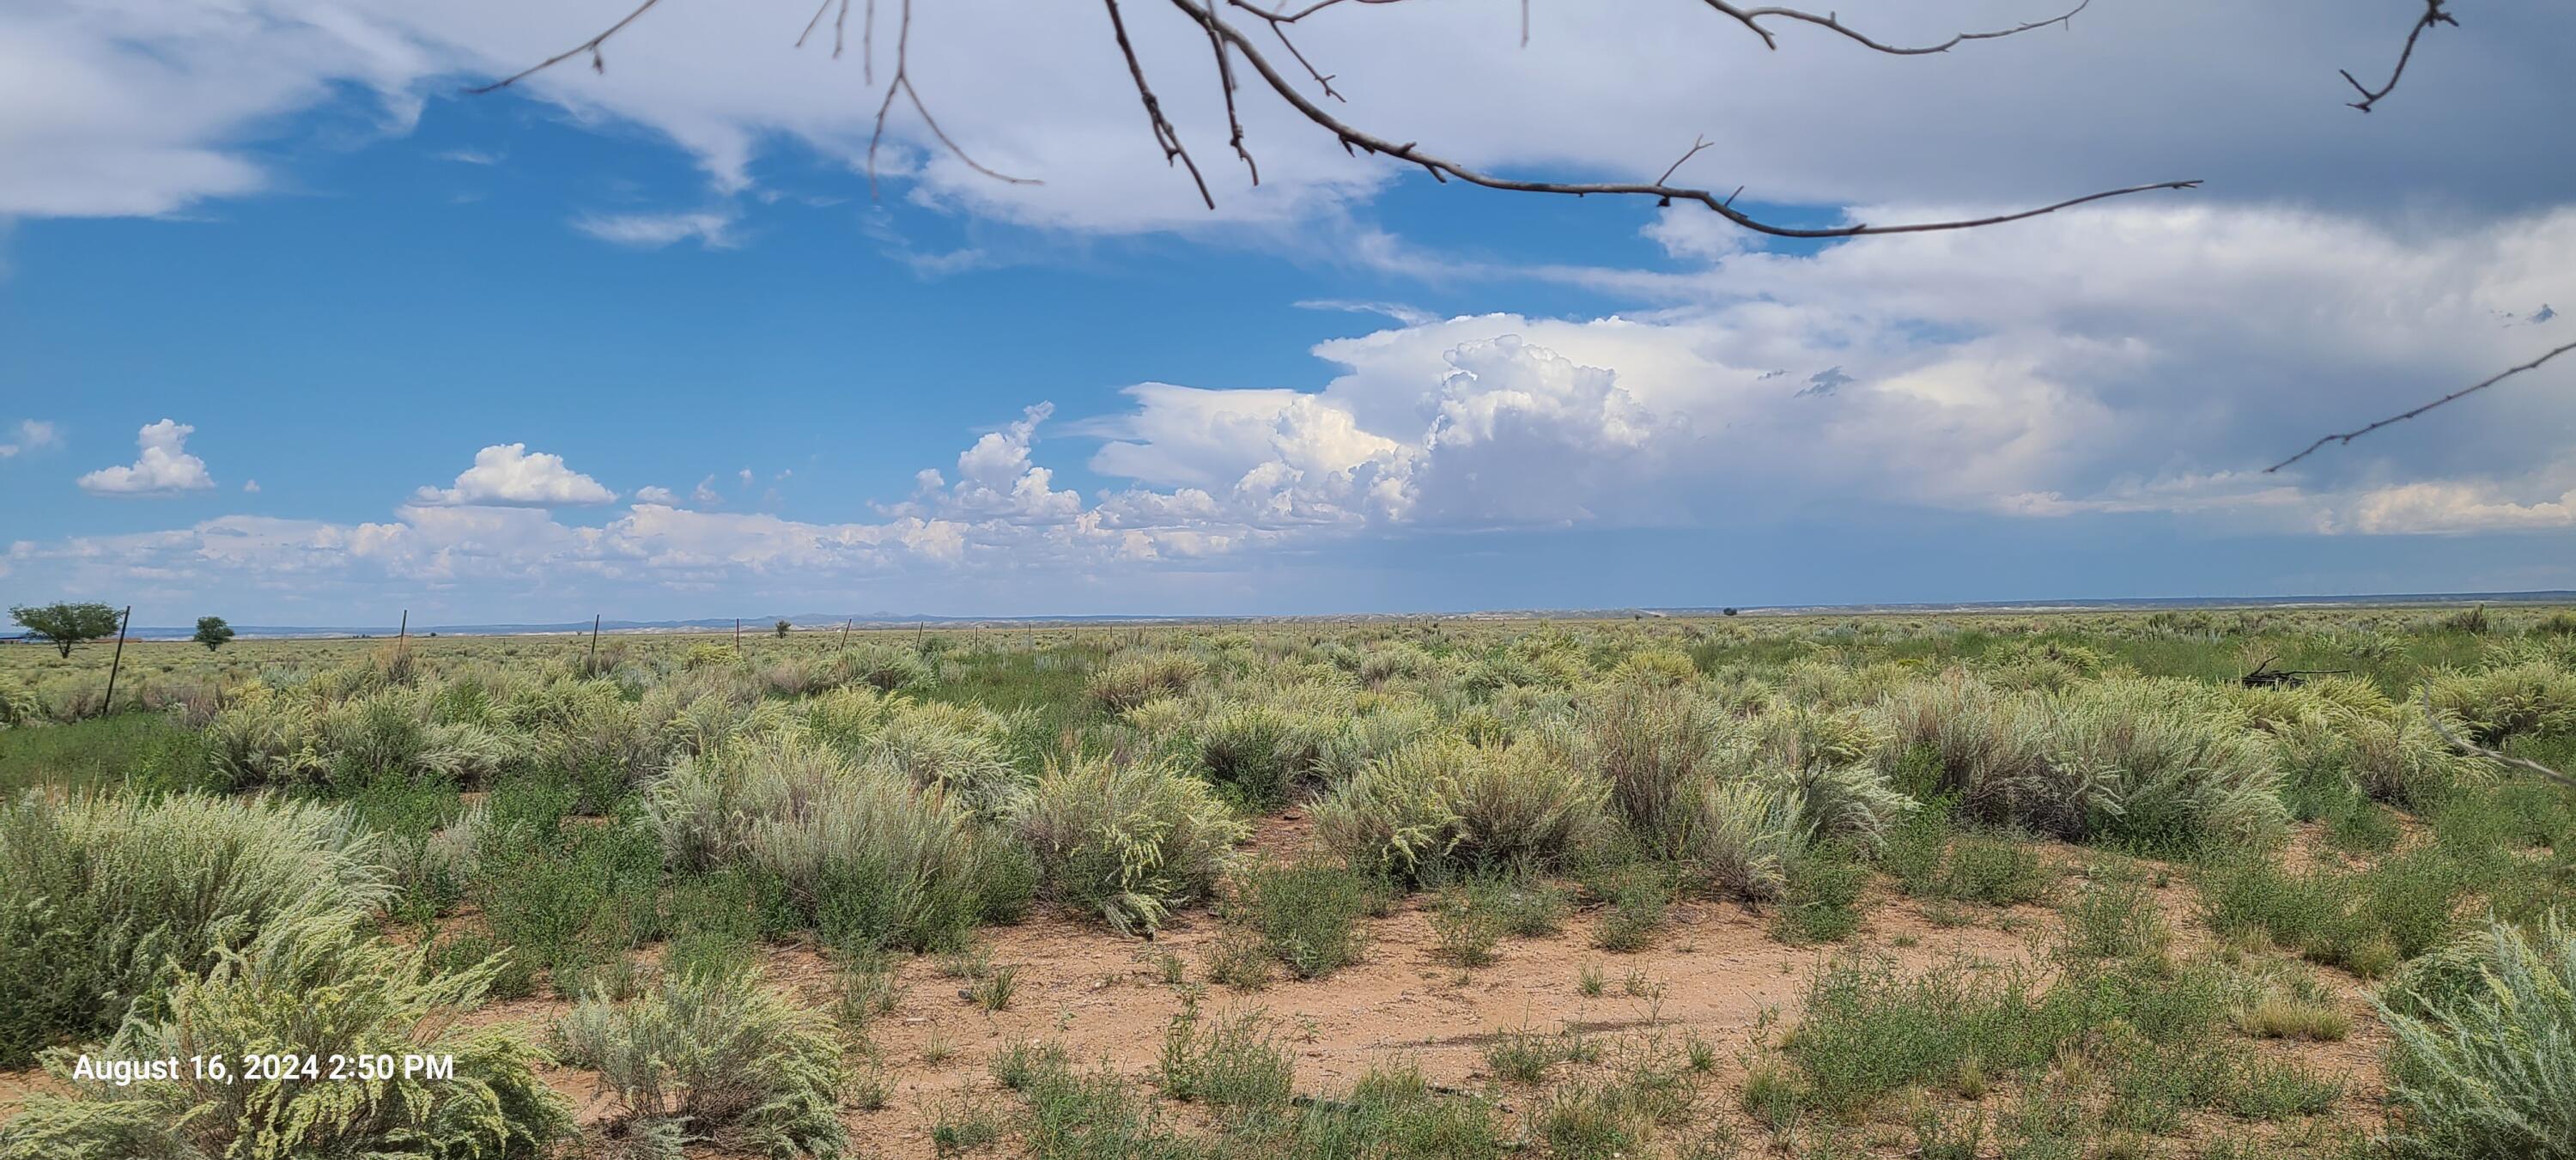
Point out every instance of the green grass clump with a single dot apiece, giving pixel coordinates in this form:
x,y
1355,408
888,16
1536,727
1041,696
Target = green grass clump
x,y
719,1058
1308,914
1233,1064
312,985
1821,903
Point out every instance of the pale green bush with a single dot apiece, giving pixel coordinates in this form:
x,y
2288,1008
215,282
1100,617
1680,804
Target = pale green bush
x,y
1127,841
2484,1063
311,984
98,896
860,852
2533,697
712,1057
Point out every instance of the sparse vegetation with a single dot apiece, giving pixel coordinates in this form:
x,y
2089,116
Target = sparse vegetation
x,y
632,841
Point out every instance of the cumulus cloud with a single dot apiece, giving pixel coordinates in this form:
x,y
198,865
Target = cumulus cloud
x,y
164,468
31,435
250,486
506,474
661,495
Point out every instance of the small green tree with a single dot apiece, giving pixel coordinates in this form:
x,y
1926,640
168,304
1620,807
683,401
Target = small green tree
x,y
66,624
783,626
212,632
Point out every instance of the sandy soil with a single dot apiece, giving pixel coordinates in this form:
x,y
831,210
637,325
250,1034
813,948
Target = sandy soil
x,y
1713,973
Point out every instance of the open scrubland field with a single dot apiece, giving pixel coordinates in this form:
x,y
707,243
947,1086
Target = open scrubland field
x,y
1994,885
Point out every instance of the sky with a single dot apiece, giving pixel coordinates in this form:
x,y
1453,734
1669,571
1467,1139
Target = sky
x,y
296,329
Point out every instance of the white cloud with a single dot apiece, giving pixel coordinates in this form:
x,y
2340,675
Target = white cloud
x,y
250,486
31,435
163,469
120,106
660,495
505,474
655,230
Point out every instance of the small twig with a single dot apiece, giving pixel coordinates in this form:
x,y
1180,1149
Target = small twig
x,y
1166,137
2433,14
1697,143
2470,747
590,46
902,83
2347,437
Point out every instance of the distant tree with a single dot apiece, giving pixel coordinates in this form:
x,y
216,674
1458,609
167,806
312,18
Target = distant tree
x,y
67,624
783,626
1728,611
212,632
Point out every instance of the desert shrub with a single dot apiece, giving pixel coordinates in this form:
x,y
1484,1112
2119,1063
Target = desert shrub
x,y
2112,916
2390,755
1127,841
1261,753
1308,914
311,984
2485,1056
953,749
265,738
2151,764
1741,834
2366,921
1394,817
2534,698
19,704
1996,871
717,1057
884,666
860,853
1824,883
1850,802
98,896
574,902
1651,746
1130,681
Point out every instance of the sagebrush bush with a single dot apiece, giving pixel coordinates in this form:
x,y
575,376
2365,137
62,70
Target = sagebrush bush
x,y
312,984
712,1056
2155,764
2532,698
98,896
861,853
1132,680
1127,841
2485,1056
1741,834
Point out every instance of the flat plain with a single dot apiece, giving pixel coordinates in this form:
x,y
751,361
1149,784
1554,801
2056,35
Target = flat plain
x,y
2010,885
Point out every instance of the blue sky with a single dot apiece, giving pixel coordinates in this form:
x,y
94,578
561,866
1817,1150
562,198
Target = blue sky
x,y
293,330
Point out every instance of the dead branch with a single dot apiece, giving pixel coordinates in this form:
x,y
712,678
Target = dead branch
x,y
1752,18
1225,41
902,83
2348,436
2474,749
1355,139
1168,138
2433,14
591,46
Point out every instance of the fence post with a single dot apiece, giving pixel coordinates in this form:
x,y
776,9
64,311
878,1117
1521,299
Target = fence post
x,y
591,667
109,702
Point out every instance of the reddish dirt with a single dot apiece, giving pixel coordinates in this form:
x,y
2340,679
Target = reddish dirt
x,y
1713,972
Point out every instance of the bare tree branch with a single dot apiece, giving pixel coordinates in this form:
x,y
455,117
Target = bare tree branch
x,y
1354,138
2356,433
1752,18
1225,40
2474,749
1168,138
2433,14
902,83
